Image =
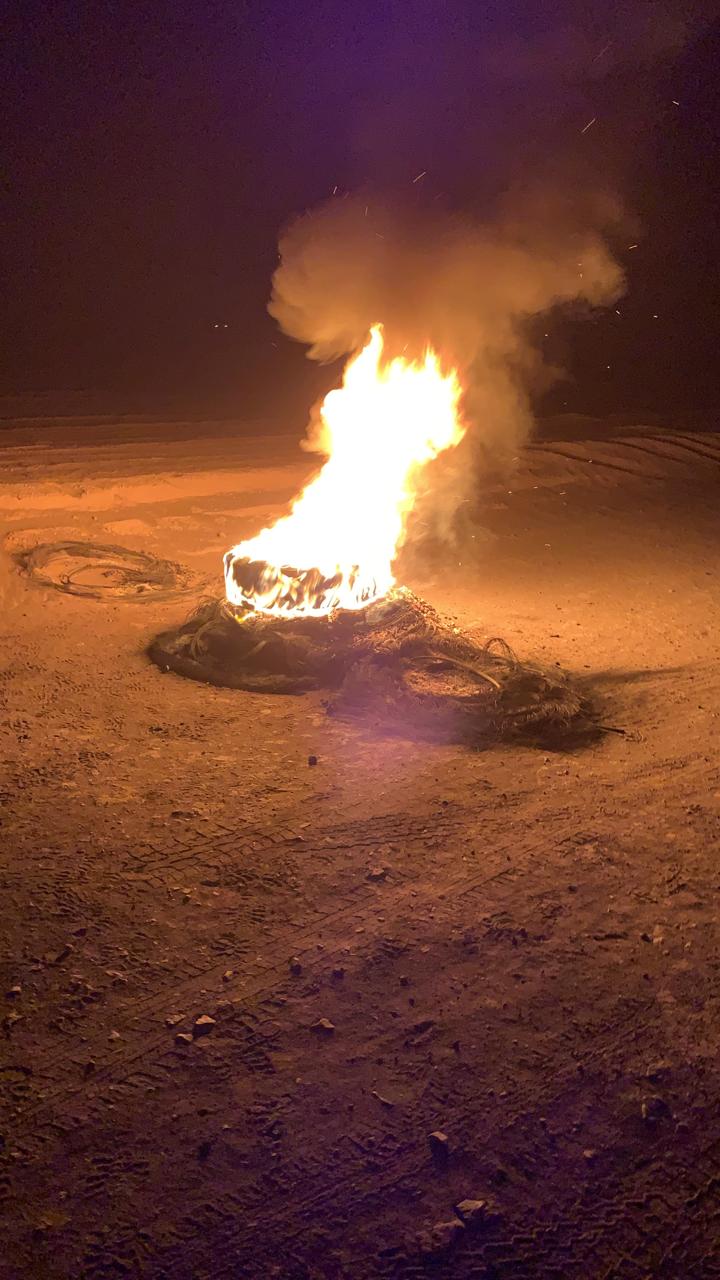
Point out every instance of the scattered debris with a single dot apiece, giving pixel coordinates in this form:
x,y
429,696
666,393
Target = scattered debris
x,y
472,1212
52,1220
659,1070
655,1108
203,1025
439,1144
441,1238
381,1099
323,1027
56,957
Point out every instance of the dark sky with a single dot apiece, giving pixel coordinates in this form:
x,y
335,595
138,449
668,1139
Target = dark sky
x,y
152,154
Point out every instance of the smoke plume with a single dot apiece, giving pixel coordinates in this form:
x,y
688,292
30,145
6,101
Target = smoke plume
x,y
471,290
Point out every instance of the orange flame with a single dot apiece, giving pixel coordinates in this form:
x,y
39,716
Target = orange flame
x,y
335,549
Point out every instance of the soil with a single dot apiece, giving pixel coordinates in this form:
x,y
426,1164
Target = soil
x,y
278,991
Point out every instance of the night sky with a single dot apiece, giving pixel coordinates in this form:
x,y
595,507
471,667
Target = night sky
x,y
152,154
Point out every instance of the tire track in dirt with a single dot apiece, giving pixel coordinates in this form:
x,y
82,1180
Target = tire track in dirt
x,y
619,454
334,923
334,918
236,1234
308,1198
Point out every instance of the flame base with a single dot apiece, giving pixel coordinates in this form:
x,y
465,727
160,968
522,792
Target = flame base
x,y
336,547
287,591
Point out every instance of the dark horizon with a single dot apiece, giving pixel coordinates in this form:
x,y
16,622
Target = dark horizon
x,y
154,159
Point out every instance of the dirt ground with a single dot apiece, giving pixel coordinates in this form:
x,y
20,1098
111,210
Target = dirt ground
x,y
516,948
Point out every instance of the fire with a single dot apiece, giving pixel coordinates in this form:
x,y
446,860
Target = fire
x,y
335,549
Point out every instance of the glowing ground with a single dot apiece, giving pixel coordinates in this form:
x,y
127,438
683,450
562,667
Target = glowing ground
x,y
516,948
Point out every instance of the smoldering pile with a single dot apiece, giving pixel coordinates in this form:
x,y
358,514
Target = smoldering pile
x,y
396,665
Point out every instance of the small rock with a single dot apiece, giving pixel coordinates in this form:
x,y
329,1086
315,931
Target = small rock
x,y
173,1019
295,967
312,760
14,991
183,1037
472,1212
439,1144
659,1070
227,975
51,1221
385,1102
422,1027
441,1238
338,971
89,1067
203,1025
377,873
204,1150
56,957
404,980
655,1109
323,1027
589,1153
115,1035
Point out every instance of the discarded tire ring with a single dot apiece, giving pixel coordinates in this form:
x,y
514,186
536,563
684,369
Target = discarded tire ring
x,y
146,577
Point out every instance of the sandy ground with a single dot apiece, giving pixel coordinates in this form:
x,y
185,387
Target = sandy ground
x,y
517,948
